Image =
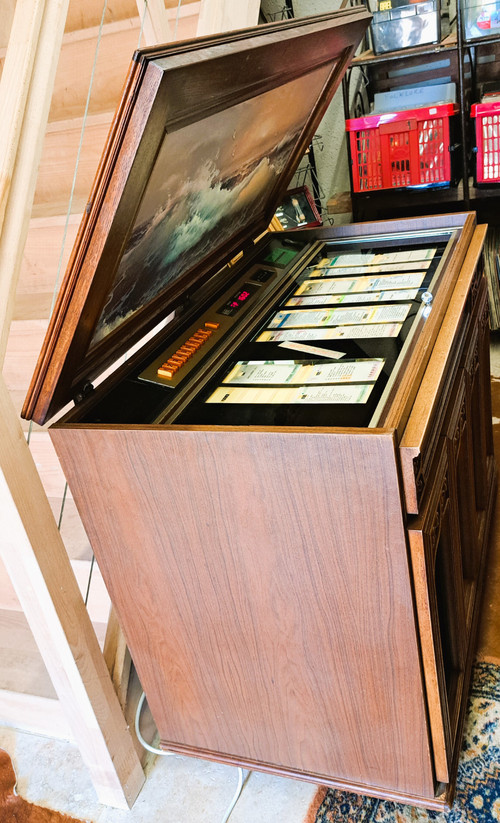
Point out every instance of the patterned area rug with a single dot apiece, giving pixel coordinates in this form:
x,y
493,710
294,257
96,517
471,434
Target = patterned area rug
x,y
13,809
477,798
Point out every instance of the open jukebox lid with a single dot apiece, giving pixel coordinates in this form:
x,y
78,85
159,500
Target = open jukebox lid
x,y
204,143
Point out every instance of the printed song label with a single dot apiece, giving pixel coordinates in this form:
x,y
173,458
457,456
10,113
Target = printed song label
x,y
308,318
304,394
380,259
364,297
337,333
345,285
304,374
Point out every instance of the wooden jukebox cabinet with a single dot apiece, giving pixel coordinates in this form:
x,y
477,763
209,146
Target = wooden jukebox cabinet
x,y
288,485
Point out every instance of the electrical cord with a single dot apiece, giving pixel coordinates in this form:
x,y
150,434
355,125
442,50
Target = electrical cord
x,y
140,738
163,753
236,796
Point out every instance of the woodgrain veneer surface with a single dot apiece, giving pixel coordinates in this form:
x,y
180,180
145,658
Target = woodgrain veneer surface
x,y
262,581
417,441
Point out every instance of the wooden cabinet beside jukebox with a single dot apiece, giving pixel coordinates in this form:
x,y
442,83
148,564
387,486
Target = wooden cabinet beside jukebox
x,y
447,537
272,481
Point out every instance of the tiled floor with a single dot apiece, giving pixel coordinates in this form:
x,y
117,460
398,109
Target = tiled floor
x,y
177,790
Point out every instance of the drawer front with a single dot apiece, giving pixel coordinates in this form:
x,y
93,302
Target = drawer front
x,y
434,540
477,371
446,536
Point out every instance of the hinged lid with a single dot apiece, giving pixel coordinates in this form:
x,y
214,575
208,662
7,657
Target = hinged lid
x,y
205,141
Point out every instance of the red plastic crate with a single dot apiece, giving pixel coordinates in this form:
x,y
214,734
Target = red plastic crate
x,y
487,141
401,149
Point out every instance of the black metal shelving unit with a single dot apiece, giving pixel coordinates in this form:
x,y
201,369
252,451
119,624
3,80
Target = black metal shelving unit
x,y
468,63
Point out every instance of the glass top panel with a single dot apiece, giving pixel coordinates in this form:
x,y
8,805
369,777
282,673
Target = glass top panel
x,y
330,349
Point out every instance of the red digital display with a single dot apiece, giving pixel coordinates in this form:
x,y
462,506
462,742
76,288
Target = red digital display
x,y
237,300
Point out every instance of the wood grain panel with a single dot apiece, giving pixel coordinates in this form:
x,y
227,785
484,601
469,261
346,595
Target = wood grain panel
x,y
34,714
8,7
118,43
88,14
75,68
47,464
416,443
453,263
119,40
33,306
423,537
21,665
57,165
23,346
224,15
18,397
265,619
42,252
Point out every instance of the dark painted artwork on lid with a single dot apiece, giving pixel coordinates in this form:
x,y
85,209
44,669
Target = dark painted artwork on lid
x,y
205,185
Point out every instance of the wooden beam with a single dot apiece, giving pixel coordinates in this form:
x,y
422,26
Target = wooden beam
x,y
14,87
6,18
226,15
117,657
23,148
154,21
31,546
39,568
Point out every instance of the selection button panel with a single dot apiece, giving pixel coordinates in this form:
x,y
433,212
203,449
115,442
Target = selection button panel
x,y
179,359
